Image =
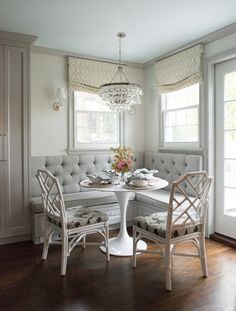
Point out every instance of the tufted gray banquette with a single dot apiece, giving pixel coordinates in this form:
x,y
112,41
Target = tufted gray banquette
x,y
72,169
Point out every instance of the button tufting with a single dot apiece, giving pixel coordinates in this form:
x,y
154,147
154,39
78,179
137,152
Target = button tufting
x,y
173,163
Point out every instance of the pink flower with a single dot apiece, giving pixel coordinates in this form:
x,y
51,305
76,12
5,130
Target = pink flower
x,y
123,159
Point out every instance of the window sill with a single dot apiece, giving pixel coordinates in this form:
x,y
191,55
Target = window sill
x,y
189,150
89,150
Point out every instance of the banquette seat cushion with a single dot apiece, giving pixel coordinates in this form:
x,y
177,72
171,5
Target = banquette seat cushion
x,y
88,198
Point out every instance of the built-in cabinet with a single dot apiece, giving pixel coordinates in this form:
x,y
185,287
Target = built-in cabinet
x,y
14,139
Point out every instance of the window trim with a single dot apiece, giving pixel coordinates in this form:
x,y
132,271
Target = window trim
x,y
181,146
99,147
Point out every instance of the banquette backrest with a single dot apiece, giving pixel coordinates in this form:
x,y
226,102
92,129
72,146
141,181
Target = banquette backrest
x,y
172,166
72,169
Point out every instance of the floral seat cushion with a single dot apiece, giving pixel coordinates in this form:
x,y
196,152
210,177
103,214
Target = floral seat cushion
x,y
79,217
156,223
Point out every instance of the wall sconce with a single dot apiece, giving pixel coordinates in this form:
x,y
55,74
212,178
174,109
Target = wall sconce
x,y
61,95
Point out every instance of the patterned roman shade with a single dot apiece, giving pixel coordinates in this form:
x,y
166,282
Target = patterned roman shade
x,y
88,75
180,70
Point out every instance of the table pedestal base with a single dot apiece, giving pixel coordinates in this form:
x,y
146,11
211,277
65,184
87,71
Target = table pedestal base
x,y
123,247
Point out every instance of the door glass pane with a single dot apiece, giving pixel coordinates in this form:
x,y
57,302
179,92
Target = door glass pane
x,y
229,200
230,89
230,173
230,144
230,115
225,148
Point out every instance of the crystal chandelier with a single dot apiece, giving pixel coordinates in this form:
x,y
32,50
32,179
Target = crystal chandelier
x,y
119,94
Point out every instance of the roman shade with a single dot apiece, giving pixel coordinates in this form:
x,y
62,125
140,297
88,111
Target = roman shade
x,y
179,70
86,75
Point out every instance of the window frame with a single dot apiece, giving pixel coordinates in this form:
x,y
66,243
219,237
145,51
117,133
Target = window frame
x,y
73,148
181,146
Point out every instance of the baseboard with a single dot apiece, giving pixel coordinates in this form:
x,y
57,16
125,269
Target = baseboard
x,y
223,239
14,239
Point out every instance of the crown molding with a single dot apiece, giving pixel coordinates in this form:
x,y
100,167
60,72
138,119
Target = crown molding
x,y
18,39
27,40
213,36
55,52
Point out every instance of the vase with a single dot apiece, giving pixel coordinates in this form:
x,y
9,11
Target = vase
x,y
123,178
116,179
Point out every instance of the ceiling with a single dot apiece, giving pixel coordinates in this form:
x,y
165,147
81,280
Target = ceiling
x,y
89,27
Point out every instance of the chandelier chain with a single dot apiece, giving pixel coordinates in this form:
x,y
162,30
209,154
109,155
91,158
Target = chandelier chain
x,y
119,50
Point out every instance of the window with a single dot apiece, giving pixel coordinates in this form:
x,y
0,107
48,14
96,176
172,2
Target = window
x,y
95,126
180,117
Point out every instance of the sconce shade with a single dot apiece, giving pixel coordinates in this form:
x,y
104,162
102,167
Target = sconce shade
x,y
61,93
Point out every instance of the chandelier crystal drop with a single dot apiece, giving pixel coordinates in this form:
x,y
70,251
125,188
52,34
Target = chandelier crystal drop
x,y
120,94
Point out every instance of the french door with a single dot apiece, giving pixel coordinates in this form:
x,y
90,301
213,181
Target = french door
x,y
225,125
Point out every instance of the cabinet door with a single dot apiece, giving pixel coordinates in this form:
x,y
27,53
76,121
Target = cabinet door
x,y
2,217
16,141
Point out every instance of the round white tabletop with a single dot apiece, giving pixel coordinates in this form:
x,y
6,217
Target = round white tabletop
x,y
122,245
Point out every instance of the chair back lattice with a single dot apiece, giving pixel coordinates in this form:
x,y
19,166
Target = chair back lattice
x,y
185,209
52,197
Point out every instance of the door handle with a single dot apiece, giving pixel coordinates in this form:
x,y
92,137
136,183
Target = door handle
x,y
4,148
1,148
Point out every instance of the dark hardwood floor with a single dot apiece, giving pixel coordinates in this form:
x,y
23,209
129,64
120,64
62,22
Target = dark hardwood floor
x,y
27,283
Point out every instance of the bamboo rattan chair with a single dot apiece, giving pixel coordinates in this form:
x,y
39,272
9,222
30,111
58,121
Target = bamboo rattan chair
x,y
183,222
72,224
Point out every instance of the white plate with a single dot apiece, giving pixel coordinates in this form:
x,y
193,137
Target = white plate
x,y
87,183
130,186
100,184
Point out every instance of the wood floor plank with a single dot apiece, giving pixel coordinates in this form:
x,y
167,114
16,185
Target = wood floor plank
x,y
91,284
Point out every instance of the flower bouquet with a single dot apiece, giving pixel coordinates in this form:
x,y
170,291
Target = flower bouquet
x,y
123,160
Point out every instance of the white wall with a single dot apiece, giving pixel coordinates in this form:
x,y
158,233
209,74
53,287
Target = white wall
x,y
134,127
49,129
152,103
